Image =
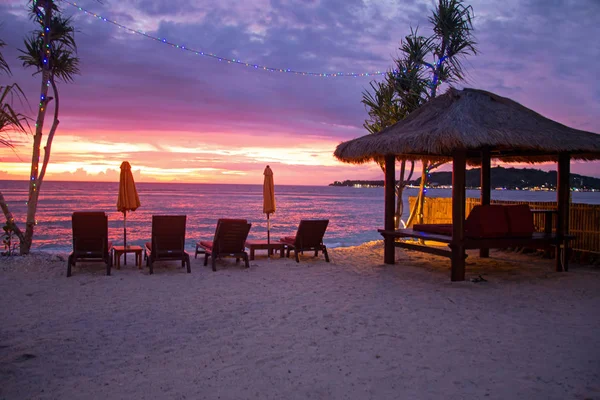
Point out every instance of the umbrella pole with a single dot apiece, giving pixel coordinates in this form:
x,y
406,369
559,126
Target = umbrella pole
x,y
268,237
125,237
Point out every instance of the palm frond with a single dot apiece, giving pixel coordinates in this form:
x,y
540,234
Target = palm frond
x,y
10,120
63,62
3,64
31,56
453,31
65,65
61,28
63,32
381,105
415,48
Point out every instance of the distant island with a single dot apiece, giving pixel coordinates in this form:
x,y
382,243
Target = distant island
x,y
501,178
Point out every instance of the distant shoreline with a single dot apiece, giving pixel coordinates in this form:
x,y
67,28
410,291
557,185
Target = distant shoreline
x,y
367,184
501,179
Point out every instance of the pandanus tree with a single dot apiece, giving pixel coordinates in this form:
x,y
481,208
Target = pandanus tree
x,y
52,53
424,64
385,109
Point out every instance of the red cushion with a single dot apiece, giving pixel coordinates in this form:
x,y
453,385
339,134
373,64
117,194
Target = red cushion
x,y
149,245
206,244
288,239
440,229
520,220
487,221
232,220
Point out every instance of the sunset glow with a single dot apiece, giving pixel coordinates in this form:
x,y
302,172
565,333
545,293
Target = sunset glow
x,y
176,116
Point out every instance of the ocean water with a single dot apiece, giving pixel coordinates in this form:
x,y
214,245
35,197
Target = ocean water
x,y
355,214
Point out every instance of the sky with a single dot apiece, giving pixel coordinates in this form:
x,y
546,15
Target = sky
x,y
177,116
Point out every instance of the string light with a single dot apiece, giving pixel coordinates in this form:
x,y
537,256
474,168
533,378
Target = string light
x,y
229,60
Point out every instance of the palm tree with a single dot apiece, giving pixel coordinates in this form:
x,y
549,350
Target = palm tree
x,y
10,120
452,40
51,51
416,79
385,109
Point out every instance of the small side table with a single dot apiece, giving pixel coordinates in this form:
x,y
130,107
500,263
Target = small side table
x,y
254,245
120,250
548,218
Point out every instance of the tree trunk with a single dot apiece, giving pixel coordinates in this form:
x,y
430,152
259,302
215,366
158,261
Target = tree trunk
x,y
413,212
9,218
422,192
417,210
34,182
399,191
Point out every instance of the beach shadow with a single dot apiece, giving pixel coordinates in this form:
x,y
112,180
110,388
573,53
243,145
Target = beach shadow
x,y
85,268
502,265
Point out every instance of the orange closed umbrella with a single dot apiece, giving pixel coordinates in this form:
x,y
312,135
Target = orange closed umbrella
x,y
268,200
128,198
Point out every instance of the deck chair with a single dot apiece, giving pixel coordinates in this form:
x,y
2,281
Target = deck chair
x,y
230,238
308,237
90,239
168,241
200,249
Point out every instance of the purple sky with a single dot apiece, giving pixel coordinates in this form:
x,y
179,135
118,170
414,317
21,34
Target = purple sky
x,y
178,116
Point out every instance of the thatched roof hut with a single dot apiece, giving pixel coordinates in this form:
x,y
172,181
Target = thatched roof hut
x,y
473,120
472,126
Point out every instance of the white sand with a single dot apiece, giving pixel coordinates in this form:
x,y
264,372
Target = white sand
x,y
351,329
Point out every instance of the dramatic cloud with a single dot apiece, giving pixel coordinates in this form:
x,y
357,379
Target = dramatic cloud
x,y
179,116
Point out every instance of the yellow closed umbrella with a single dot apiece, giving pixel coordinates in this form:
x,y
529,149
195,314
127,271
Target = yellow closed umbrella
x,y
268,200
128,198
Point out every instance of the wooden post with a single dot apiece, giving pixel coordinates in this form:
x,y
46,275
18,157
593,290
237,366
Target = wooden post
x,y
563,190
459,166
390,197
486,187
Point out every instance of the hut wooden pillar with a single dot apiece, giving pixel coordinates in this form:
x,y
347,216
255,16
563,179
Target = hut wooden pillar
x,y
563,191
389,200
459,166
486,188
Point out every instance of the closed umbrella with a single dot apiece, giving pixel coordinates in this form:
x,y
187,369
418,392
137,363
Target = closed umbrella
x,y
128,198
268,201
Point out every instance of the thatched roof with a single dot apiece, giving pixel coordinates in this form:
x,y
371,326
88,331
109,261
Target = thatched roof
x,y
473,120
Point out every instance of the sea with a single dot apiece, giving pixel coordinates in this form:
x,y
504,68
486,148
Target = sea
x,y
355,214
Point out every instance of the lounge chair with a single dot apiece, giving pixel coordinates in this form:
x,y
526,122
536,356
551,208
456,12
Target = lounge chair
x,y
200,249
230,238
90,239
168,241
308,237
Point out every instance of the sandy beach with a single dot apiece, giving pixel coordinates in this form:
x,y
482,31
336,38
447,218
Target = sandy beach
x,y
350,329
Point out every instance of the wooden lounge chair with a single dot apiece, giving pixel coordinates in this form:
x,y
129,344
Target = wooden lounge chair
x,y
230,238
308,237
168,241
90,239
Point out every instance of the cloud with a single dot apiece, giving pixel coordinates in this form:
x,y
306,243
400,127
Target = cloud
x,y
136,98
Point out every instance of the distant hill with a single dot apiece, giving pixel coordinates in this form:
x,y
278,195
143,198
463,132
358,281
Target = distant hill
x,y
508,178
